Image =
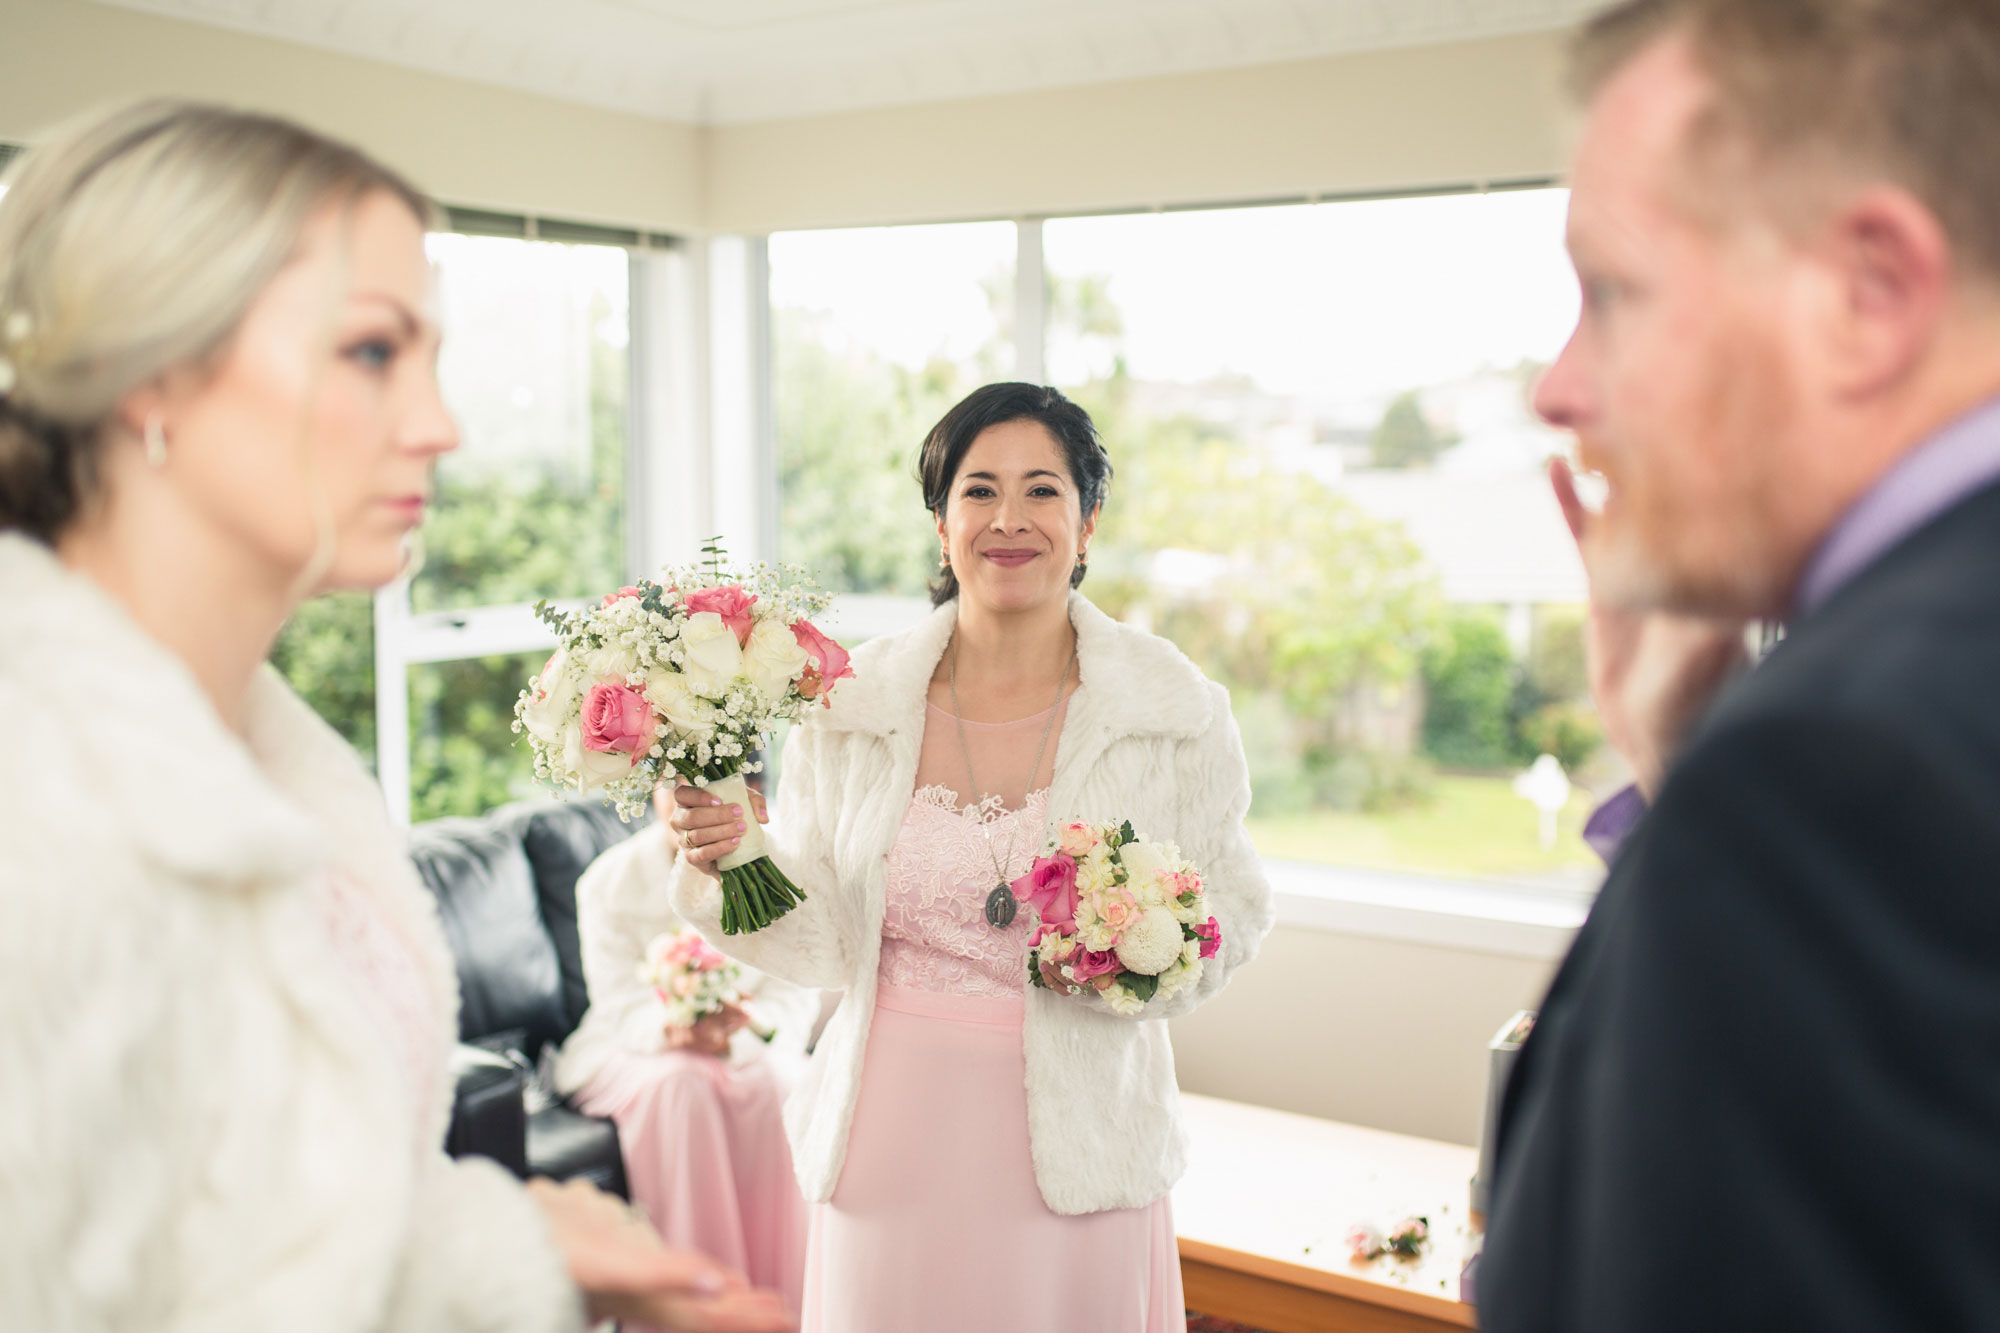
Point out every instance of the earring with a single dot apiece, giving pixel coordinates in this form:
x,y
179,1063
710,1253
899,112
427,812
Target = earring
x,y
1082,556
944,559
156,442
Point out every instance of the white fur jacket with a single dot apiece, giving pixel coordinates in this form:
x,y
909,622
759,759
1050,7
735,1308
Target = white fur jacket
x,y
622,903
1146,738
200,1126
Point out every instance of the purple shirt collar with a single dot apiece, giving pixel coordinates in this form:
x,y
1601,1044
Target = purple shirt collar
x,y
1962,458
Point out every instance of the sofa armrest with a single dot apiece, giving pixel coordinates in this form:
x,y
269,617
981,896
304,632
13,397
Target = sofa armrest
x,y
489,1116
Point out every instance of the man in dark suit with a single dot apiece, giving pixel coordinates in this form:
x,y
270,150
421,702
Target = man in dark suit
x,y
1764,1090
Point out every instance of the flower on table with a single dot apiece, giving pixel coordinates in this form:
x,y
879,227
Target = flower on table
x,y
1364,1243
1408,1237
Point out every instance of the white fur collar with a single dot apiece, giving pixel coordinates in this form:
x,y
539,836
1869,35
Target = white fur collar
x,y
194,797
1133,683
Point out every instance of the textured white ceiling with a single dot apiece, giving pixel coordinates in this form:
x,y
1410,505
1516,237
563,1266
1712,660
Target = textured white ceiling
x,y
721,61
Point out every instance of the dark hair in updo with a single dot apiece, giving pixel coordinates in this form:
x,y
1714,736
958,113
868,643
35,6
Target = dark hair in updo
x,y
995,405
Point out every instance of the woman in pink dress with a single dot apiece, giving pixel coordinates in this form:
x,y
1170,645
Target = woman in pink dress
x,y
985,1157
699,1110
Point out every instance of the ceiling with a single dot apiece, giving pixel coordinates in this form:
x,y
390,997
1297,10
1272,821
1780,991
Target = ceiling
x,y
728,61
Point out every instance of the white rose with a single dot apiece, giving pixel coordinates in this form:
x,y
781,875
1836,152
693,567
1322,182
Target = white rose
x,y
1124,1002
1178,979
613,661
1147,862
714,658
1152,944
773,658
559,702
670,693
593,768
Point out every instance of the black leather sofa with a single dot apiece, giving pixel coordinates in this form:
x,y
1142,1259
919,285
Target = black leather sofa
x,y
505,885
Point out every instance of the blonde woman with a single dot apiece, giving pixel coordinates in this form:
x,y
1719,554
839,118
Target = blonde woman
x,y
225,1002
983,1156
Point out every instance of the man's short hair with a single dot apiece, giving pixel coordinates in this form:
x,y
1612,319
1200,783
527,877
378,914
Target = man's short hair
x,y
1906,90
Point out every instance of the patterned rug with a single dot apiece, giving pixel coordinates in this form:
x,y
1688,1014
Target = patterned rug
x,y
1201,1323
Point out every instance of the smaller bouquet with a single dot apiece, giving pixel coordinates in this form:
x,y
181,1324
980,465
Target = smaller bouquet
x,y
684,677
692,979
1119,916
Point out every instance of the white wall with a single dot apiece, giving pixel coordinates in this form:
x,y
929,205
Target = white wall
x,y
1379,121
1376,121
467,143
1378,1032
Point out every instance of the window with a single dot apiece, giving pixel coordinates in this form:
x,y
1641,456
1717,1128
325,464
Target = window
x,y
1321,412
1329,487
876,333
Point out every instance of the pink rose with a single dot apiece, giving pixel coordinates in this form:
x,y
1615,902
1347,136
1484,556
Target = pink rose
x,y
1210,935
1089,964
621,595
1118,909
617,718
1051,886
829,660
731,603
1078,839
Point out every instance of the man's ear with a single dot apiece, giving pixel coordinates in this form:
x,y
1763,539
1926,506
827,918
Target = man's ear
x,y
1890,275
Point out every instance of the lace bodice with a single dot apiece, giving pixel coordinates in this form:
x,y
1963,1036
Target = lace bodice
x,y
935,935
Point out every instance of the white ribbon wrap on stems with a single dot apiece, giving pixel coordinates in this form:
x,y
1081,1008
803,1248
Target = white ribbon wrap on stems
x,y
735,791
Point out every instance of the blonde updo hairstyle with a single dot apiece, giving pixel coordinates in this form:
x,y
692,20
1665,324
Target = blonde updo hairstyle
x,y
131,245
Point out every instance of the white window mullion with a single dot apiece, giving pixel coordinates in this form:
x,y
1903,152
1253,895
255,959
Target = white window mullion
x,y
392,697
1030,303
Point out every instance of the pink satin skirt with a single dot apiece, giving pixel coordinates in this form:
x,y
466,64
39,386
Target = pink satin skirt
x,y
937,1225
705,1152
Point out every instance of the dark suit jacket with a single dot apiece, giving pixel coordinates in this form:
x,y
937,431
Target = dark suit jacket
x,y
1764,1090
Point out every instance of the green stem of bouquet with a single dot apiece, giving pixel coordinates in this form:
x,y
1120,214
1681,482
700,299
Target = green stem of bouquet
x,y
755,895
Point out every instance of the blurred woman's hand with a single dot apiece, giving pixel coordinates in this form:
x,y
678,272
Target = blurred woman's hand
x,y
626,1273
710,1034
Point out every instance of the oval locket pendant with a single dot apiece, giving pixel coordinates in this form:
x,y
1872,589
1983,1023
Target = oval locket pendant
x,y
1000,907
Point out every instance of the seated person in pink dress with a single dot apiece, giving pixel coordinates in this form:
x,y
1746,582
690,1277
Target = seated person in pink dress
x,y
699,1110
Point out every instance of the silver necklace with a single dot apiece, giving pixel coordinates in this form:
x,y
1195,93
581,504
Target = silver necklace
x,y
1001,904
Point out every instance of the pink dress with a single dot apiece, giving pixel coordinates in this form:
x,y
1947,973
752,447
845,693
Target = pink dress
x,y
937,1223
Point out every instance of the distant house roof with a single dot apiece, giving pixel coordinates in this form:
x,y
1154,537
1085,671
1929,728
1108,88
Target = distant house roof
x,y
1491,538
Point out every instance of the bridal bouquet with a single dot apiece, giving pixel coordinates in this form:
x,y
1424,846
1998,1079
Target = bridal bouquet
x,y
1119,915
692,979
684,677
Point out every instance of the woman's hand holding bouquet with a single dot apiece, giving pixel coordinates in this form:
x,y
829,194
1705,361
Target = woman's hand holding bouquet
x,y
684,679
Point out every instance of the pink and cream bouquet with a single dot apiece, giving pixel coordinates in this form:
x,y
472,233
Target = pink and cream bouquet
x,y
692,979
1120,916
685,677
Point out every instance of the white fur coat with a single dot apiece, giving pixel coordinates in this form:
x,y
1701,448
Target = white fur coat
x,y
1146,738
200,1127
